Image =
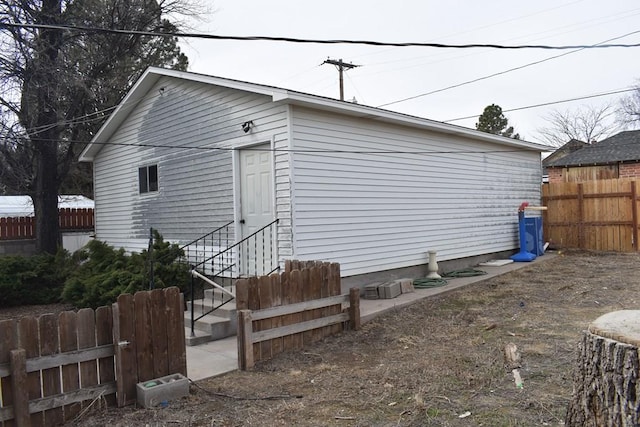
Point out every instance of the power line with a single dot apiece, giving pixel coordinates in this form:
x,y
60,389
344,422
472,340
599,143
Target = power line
x,y
287,150
505,71
547,103
316,41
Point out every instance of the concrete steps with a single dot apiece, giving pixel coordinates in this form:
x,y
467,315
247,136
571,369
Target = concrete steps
x,y
219,324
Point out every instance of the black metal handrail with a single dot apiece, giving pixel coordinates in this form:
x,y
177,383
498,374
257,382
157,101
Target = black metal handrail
x,y
251,256
208,245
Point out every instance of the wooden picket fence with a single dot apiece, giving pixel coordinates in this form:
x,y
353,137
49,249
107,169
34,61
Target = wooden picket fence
x,y
24,227
290,310
54,367
595,215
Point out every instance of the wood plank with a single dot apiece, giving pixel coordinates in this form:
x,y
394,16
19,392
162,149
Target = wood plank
x,y
28,339
297,296
335,288
581,230
266,301
253,303
354,309
176,346
298,307
68,325
308,325
104,337
125,344
276,322
144,337
36,363
8,342
87,340
20,392
159,317
49,344
634,215
245,343
75,396
286,318
242,294
307,336
316,293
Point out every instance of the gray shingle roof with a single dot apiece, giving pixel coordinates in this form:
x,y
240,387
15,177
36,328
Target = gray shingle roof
x,y
622,147
565,150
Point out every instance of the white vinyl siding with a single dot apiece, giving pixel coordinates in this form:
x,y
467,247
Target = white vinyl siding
x,y
188,129
377,211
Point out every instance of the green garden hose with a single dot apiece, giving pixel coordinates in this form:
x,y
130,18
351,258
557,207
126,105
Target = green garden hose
x,y
425,283
465,272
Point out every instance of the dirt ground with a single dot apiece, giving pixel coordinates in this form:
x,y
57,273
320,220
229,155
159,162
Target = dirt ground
x,y
436,363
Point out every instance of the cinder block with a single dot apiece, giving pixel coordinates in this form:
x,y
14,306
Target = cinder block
x,y
406,285
154,392
371,291
389,290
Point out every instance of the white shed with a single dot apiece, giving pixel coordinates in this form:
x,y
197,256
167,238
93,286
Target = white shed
x,y
369,188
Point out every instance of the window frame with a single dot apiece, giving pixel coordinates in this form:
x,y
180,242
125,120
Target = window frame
x,y
148,180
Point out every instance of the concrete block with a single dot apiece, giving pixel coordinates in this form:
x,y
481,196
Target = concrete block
x,y
389,290
157,391
406,285
371,291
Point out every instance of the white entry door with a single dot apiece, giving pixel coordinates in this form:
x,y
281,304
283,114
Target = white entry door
x,y
256,202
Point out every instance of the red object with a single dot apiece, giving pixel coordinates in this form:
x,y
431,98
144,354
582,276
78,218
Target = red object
x,y
522,206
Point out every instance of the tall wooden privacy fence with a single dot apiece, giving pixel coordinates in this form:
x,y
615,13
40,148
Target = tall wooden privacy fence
x,y
24,227
54,367
596,215
290,310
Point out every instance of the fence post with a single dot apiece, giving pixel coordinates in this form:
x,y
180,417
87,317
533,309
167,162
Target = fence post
x,y
354,308
245,344
20,389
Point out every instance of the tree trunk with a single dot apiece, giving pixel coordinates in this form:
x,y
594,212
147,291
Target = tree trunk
x,y
606,389
44,84
45,202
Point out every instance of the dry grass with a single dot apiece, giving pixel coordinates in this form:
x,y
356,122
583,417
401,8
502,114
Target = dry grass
x,y
428,364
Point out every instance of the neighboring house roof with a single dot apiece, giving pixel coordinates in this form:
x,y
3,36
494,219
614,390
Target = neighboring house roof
x,y
153,74
623,147
14,206
568,148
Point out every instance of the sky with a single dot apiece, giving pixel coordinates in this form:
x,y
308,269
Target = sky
x,y
388,74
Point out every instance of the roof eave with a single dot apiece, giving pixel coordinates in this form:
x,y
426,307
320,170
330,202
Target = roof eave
x,y
153,74
364,111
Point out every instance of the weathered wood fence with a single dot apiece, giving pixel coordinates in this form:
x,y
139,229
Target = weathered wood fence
x,y
290,310
54,367
597,215
24,227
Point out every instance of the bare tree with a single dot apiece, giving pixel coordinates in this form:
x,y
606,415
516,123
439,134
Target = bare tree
x,y
587,124
57,85
629,111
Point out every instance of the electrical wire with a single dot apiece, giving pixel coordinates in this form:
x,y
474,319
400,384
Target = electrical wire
x,y
545,104
314,41
288,150
503,72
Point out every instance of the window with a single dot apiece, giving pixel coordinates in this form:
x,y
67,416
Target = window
x,y
148,179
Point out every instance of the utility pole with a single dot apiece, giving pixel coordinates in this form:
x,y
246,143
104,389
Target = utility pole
x,y
342,66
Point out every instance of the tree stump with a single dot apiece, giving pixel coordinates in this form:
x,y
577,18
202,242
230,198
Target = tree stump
x,y
606,391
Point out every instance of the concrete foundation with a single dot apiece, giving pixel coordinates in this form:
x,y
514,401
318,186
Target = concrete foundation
x,y
417,271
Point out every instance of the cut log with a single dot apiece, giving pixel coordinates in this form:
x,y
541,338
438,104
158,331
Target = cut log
x,y
606,390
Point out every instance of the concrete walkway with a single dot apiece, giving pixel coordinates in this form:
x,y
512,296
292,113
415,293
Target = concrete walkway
x,y
219,357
